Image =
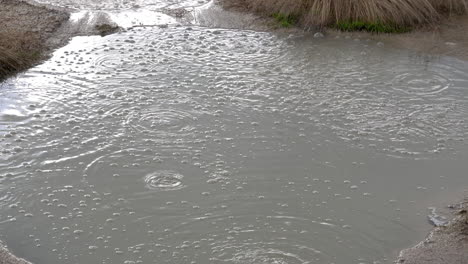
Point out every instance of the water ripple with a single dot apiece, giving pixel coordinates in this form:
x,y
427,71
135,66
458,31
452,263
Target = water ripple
x,y
164,181
421,84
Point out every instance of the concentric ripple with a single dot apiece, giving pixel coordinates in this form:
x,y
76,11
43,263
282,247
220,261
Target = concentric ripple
x,y
158,120
164,181
256,253
425,83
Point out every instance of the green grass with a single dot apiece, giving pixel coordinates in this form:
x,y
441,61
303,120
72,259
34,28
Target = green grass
x,y
285,20
374,27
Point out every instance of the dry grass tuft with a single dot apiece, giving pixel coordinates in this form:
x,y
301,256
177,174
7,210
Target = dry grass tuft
x,y
18,51
328,12
451,6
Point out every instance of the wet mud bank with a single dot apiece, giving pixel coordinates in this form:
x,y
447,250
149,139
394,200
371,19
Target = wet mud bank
x,y
27,34
445,244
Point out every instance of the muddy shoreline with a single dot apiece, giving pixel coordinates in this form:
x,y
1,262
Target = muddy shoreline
x,y
27,34
445,244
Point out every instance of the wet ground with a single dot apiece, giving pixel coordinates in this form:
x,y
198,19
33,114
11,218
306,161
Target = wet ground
x,y
190,144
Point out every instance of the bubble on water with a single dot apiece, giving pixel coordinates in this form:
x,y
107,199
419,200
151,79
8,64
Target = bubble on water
x,y
164,180
92,247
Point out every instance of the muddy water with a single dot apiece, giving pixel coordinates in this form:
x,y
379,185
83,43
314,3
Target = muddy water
x,y
202,145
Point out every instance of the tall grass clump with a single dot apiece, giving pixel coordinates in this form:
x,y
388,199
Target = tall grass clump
x,y
398,13
375,27
8,63
18,51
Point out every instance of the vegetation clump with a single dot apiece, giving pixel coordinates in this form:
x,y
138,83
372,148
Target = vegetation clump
x,y
285,20
374,27
18,51
390,16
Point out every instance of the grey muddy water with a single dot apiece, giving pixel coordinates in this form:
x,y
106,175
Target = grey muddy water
x,y
189,144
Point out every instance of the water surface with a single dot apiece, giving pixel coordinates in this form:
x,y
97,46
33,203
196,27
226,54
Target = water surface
x,y
189,144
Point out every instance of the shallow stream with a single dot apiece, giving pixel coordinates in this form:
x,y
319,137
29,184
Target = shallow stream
x,y
188,144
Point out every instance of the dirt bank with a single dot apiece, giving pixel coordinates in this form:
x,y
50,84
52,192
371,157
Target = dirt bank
x,y
26,34
444,245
